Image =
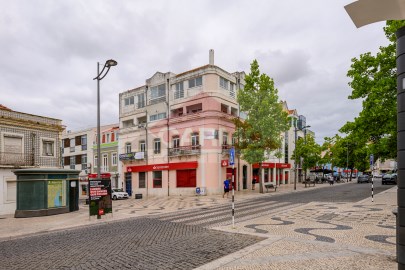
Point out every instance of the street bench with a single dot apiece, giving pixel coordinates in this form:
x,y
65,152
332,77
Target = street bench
x,y
309,182
267,186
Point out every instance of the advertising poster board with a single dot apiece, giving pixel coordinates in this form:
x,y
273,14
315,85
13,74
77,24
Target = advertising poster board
x,y
100,197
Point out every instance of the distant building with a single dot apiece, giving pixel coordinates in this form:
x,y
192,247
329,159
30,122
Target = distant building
x,y
79,150
26,141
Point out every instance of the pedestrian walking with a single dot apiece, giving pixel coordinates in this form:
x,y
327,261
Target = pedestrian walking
x,y
254,182
226,188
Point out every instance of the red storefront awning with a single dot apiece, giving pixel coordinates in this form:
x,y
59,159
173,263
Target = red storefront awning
x,y
163,167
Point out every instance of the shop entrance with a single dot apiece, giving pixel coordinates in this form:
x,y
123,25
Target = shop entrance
x,y
229,174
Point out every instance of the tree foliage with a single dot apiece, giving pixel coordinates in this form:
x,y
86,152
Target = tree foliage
x,y
307,149
260,132
373,80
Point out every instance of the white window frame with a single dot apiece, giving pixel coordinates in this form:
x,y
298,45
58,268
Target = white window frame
x,y
53,141
105,163
195,82
129,101
223,83
142,146
156,146
179,92
128,148
114,158
15,135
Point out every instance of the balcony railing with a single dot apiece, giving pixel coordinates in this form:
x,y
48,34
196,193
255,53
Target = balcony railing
x,y
185,150
132,156
16,159
227,147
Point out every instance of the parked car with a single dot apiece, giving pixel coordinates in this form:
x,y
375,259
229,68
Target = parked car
x,y
364,178
118,193
389,178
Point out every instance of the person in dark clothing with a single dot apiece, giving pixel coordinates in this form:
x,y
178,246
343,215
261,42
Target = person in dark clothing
x,y
226,188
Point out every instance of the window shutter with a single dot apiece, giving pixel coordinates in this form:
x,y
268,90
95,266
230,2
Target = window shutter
x,y
79,159
67,161
78,140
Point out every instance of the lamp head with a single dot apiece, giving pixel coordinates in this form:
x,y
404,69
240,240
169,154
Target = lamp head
x,y
110,63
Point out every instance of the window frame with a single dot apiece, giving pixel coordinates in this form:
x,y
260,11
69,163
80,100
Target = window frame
x,y
156,146
195,82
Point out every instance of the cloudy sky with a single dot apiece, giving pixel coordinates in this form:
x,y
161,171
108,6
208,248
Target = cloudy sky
x,y
50,49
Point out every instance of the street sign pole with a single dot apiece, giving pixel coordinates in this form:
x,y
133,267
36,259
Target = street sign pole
x,y
372,177
232,162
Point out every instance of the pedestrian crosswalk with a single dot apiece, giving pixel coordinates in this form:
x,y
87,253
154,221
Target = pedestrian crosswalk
x,y
214,216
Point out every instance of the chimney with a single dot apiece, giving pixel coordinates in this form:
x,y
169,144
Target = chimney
x,y
211,57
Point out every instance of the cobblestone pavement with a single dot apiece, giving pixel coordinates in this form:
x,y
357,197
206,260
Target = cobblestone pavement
x,y
325,227
140,243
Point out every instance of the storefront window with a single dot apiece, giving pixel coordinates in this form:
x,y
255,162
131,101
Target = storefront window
x,y
157,179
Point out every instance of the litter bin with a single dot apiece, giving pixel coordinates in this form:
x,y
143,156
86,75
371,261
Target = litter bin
x,y
138,196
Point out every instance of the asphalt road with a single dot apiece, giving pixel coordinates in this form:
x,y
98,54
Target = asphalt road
x,y
181,240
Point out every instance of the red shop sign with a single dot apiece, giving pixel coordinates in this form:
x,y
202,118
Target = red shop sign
x,y
163,167
224,163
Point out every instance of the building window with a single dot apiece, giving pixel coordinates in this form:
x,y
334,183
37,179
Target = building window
x,y
156,148
195,82
223,83
157,179
158,94
128,148
234,139
129,101
186,178
105,163
142,179
108,138
225,138
95,161
48,148
84,162
84,142
128,123
72,145
232,91
73,162
157,116
179,93
114,159
195,139
176,141
142,146
141,100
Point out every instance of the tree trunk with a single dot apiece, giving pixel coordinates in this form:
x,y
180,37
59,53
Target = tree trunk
x,y
261,180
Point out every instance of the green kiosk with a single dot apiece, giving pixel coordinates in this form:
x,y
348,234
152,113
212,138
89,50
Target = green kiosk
x,y
44,192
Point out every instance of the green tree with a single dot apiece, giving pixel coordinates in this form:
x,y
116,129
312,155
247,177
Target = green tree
x,y
308,150
260,132
373,80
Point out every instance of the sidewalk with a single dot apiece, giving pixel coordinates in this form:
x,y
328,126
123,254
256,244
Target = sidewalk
x,y
16,227
313,236
320,236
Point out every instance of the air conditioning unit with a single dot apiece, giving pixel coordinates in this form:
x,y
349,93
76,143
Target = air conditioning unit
x,y
141,125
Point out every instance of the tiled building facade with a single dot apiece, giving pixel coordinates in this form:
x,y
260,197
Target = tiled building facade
x,y
26,141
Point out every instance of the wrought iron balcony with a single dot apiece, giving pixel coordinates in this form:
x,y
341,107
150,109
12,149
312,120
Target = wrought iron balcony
x,y
185,150
227,147
16,159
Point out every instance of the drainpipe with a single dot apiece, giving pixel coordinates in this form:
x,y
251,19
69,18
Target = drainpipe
x,y
146,141
237,87
168,139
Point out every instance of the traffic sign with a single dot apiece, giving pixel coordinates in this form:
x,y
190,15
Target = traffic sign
x,y
371,159
232,156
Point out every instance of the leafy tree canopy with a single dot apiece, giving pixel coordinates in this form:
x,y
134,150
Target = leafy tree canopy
x,y
374,82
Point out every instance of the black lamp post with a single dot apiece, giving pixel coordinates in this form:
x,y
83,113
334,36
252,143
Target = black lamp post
x,y
100,75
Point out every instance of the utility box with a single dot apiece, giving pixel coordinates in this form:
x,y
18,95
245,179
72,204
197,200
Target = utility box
x,y
44,192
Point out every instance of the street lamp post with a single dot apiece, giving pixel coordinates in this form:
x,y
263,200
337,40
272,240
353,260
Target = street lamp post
x,y
364,12
100,75
295,144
